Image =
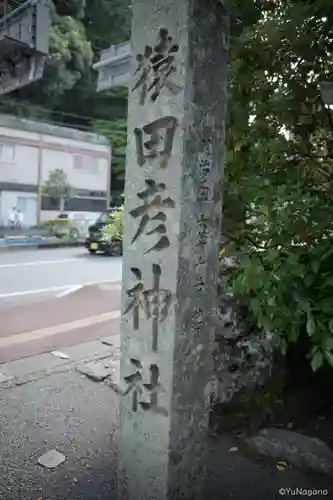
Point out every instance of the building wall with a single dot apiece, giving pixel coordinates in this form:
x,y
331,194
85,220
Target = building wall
x,y
29,151
24,201
84,171
18,163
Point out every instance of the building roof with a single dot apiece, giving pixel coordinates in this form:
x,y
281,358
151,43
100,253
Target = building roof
x,y
49,129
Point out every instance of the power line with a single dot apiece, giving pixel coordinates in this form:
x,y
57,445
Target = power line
x,y
64,113
76,87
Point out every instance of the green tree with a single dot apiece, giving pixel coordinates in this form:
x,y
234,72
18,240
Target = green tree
x,y
116,131
73,8
108,22
278,190
69,82
57,187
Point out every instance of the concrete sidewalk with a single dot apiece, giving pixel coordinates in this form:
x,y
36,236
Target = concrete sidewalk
x,y
61,409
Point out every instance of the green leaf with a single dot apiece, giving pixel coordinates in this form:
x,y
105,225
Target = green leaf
x,y
328,343
294,333
315,265
310,326
329,357
317,361
330,326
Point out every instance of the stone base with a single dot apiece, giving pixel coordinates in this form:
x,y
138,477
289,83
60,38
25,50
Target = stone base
x,y
295,448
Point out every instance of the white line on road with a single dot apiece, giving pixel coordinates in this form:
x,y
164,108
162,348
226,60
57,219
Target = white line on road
x,y
53,330
39,263
70,290
53,289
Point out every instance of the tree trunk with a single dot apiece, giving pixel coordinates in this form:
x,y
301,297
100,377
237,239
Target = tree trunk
x,y
62,204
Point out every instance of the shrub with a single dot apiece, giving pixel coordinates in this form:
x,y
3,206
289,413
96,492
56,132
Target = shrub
x,y
115,230
291,292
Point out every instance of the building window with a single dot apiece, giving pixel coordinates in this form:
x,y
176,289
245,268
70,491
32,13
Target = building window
x,y
75,204
49,203
78,162
87,164
7,152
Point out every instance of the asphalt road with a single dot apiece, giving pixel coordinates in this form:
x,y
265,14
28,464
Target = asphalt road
x,y
52,299
26,274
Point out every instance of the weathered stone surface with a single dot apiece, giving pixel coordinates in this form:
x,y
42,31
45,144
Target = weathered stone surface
x,y
4,377
297,449
115,381
95,371
51,459
177,107
243,354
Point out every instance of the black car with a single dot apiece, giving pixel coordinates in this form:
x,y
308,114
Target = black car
x,y
95,241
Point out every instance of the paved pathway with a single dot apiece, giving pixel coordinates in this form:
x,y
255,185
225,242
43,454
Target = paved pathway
x,y
68,412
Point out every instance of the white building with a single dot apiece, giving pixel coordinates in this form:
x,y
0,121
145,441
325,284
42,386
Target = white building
x,y
30,150
114,66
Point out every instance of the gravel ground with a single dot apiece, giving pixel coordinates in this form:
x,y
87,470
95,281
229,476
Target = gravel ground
x,y
68,412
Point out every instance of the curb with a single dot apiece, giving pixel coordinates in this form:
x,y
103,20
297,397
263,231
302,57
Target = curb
x,y
87,352
38,246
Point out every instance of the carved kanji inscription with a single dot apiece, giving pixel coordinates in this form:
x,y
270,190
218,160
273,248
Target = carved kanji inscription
x,y
203,230
204,193
200,284
154,301
155,66
161,134
152,210
144,394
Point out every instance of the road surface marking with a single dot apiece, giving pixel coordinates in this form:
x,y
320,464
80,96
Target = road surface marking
x,y
41,333
54,289
69,291
39,263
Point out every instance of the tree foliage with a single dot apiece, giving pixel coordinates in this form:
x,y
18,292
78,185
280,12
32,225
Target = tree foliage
x,y
57,187
278,191
69,82
116,131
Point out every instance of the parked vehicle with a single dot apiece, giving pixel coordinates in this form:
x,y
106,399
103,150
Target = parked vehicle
x,y
73,225
102,237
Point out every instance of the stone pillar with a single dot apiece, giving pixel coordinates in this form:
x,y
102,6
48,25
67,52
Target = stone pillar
x,y
174,168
